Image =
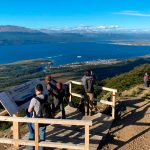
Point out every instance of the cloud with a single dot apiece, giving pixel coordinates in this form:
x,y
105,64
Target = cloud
x,y
133,13
108,27
101,27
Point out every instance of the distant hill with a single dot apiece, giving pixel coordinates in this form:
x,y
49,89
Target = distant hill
x,y
11,28
21,35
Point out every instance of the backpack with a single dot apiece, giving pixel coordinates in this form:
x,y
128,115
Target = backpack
x,y
89,85
45,108
52,88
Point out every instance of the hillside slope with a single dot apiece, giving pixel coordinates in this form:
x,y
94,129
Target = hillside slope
x,y
129,79
131,130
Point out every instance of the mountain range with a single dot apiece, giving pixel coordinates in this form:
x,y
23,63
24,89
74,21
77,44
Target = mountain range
x,y
20,35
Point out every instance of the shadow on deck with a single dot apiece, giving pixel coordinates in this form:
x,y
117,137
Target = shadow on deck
x,y
75,134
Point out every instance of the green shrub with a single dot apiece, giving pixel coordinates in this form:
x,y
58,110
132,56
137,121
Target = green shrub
x,y
5,125
127,80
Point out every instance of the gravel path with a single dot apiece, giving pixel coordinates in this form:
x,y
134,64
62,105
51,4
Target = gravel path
x,y
132,130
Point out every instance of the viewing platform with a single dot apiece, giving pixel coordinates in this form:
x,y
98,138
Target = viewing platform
x,y
70,134
77,131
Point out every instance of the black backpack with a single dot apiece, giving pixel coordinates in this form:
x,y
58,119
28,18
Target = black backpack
x,y
45,108
89,85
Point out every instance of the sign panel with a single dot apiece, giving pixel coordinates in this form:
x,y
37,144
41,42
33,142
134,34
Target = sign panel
x,y
8,104
19,97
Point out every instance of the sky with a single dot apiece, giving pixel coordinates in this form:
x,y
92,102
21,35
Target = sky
x,y
133,14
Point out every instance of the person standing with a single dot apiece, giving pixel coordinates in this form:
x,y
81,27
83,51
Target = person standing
x,y
55,89
34,112
146,80
88,83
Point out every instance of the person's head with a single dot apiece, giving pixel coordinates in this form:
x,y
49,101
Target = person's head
x,y
38,89
47,79
88,73
146,74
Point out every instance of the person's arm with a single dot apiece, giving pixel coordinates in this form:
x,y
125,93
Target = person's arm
x,y
30,110
32,104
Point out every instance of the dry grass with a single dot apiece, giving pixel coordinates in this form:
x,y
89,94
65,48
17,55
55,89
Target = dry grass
x,y
133,92
146,93
9,134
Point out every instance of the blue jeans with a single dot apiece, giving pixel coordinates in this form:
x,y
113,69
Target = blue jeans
x,y
42,131
31,134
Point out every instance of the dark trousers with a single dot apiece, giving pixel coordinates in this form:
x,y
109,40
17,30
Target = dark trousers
x,y
146,83
59,104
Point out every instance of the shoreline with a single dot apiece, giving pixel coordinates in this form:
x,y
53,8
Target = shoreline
x,y
93,63
51,64
130,43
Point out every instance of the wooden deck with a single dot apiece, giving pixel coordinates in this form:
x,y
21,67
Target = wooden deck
x,y
75,134
78,132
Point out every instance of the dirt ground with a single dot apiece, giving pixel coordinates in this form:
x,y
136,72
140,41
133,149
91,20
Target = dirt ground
x,y
130,131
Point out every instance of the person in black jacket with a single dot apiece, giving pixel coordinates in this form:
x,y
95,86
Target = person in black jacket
x,y
56,91
88,84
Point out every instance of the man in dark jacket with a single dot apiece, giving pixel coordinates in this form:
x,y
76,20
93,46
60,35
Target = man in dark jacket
x,y
88,83
56,91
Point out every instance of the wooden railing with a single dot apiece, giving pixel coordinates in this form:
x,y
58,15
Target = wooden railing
x,y
16,141
86,123
111,103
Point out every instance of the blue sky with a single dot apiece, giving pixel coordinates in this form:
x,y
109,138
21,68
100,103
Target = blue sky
x,y
69,13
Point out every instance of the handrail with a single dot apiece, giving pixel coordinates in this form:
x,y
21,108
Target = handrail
x,y
100,87
76,82
38,121
112,103
106,89
46,121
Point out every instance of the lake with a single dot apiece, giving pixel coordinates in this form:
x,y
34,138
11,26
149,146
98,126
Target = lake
x,y
64,53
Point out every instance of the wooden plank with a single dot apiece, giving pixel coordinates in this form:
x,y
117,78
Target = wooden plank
x,y
70,92
16,132
3,113
47,121
77,95
76,134
106,89
104,101
36,125
114,105
77,83
43,143
20,142
100,87
86,137
68,82
62,145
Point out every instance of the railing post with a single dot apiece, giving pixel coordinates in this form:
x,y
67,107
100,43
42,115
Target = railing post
x,y
70,86
36,132
16,132
114,104
87,137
